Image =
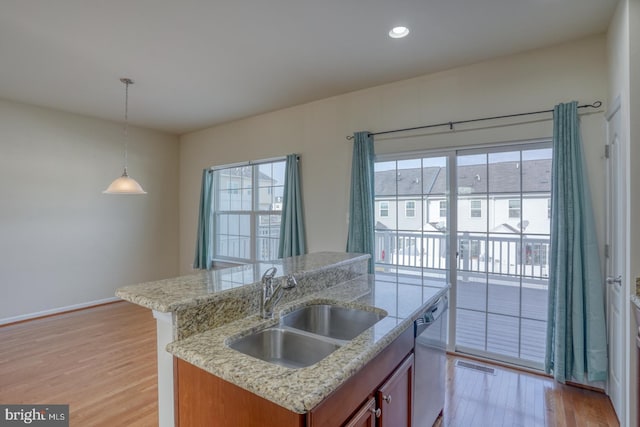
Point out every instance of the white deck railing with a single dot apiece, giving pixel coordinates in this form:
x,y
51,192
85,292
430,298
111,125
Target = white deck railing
x,y
516,255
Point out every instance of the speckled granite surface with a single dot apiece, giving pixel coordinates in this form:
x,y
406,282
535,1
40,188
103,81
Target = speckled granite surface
x,y
319,271
181,293
300,390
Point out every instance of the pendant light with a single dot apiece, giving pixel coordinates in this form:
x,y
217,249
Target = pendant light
x,y
125,184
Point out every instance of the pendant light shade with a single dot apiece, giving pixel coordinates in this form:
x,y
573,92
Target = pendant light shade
x,y
125,184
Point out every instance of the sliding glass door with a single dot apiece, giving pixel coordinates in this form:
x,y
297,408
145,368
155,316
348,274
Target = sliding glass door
x,y
411,227
503,220
497,263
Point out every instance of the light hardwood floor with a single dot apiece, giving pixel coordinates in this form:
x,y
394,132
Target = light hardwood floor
x,y
513,398
102,362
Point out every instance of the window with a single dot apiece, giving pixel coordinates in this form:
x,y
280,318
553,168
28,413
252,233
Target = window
x,y
409,247
549,208
514,208
410,208
476,208
493,263
443,208
233,187
384,208
247,209
499,265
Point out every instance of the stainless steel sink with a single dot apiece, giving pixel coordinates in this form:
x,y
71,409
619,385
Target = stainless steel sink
x,y
306,335
331,321
284,347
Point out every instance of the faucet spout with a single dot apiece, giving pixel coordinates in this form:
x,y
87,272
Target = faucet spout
x,y
271,296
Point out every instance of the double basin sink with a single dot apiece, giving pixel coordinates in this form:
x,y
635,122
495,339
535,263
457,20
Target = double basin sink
x,y
306,335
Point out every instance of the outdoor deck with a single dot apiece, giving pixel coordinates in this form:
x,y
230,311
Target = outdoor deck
x,y
504,319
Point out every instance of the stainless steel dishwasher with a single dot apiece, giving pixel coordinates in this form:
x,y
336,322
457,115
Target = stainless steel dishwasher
x,y
430,363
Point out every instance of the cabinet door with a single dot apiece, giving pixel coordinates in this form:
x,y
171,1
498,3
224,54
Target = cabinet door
x,y
366,416
395,396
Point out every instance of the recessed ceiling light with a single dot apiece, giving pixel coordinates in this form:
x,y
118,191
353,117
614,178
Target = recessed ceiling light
x,y
398,32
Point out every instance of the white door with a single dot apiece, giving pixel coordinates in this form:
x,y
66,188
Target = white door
x,y
615,268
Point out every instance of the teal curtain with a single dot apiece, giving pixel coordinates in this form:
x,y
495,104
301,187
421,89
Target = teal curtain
x,y
292,233
204,240
360,236
576,332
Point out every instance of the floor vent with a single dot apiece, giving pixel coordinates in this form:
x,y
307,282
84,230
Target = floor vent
x,y
476,367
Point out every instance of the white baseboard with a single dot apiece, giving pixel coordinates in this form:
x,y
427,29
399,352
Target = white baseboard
x,y
20,318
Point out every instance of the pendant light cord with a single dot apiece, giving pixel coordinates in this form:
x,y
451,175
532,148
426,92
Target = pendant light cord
x,y
126,122
125,184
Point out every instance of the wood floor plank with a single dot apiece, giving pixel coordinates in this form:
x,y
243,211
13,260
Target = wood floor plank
x,y
512,398
101,361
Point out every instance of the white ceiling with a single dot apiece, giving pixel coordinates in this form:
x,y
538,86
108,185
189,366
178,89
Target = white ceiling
x,y
198,63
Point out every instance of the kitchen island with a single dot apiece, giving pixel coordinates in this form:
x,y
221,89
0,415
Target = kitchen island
x,y
207,314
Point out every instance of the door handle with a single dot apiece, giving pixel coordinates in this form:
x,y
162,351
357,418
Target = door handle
x,y
617,280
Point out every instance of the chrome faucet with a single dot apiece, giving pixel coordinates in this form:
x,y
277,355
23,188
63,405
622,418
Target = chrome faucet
x,y
271,296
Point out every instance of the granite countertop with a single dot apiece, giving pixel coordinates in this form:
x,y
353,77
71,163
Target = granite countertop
x,y
182,292
300,390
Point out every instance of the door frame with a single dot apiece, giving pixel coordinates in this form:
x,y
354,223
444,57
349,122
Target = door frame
x,y
616,170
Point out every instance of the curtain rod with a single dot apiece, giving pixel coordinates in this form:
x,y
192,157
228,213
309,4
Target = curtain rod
x,y
251,163
596,104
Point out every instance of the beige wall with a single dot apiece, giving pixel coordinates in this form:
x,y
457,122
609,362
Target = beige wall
x,y
525,82
62,242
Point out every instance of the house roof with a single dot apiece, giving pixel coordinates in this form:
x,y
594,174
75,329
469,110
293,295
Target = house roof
x,y
503,177
245,172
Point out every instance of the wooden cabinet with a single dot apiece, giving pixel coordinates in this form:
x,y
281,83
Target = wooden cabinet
x,y
366,416
203,399
392,402
395,396
344,403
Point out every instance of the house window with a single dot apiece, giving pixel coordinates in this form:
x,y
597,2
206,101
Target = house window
x,y
475,209
549,208
443,208
410,208
233,187
384,208
247,210
514,208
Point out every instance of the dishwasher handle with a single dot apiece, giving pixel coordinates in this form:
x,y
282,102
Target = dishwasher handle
x,y
431,314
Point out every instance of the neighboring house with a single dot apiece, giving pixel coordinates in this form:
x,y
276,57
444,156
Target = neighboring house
x,y
238,181
411,215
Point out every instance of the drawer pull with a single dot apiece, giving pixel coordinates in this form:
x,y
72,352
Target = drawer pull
x,y
376,412
387,398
